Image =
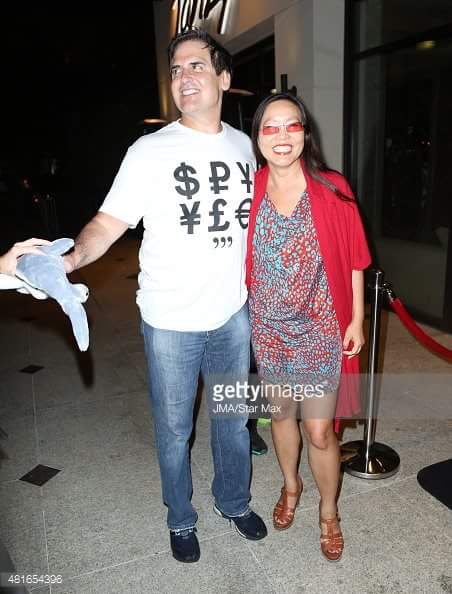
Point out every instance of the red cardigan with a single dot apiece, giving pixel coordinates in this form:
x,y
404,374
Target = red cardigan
x,y
343,248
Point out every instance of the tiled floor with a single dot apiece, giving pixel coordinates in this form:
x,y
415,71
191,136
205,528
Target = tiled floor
x,y
100,524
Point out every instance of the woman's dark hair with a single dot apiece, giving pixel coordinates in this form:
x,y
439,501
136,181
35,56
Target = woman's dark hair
x,y
311,156
220,57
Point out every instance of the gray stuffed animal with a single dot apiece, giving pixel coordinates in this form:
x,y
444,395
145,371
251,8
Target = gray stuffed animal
x,y
46,273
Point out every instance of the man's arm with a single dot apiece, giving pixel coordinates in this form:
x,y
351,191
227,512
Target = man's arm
x,y
94,240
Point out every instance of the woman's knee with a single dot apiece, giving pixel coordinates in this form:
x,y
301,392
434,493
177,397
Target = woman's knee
x,y
284,423
320,436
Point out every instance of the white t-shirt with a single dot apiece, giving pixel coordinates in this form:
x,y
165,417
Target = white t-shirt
x,y
193,191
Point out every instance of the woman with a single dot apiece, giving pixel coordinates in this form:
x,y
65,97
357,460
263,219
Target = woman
x,y
305,260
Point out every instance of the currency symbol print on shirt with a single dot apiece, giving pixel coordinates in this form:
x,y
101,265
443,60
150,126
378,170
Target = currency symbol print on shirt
x,y
189,185
227,207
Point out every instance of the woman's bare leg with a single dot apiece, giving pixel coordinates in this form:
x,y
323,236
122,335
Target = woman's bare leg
x,y
323,456
287,440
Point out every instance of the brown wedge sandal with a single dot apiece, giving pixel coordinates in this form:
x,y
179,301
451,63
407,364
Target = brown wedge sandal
x,y
331,543
283,514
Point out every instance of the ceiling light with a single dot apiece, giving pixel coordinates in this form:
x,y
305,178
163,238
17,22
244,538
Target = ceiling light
x,y
425,45
154,121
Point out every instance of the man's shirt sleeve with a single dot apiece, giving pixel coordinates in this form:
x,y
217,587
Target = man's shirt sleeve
x,y
130,192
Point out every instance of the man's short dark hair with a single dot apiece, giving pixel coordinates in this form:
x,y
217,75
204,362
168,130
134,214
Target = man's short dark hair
x,y
220,57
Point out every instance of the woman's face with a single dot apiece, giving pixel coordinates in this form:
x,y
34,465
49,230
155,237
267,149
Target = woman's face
x,y
281,134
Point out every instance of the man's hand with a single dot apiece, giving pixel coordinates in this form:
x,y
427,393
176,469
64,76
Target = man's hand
x,y
9,260
69,264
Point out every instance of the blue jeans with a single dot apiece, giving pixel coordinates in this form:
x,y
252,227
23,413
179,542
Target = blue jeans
x,y
175,360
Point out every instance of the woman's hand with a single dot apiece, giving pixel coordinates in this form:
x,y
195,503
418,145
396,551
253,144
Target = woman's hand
x,y
355,335
9,260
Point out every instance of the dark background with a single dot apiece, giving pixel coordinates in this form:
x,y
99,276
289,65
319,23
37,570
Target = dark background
x,y
74,88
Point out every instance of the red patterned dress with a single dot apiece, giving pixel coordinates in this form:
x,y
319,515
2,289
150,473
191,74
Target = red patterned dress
x,y
295,333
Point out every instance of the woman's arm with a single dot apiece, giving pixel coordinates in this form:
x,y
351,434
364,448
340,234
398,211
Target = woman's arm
x,y
9,260
354,332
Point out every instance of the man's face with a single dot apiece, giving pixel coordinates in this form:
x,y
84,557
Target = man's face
x,y
197,89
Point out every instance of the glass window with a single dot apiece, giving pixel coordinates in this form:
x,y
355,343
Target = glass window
x,y
401,161
382,21
253,79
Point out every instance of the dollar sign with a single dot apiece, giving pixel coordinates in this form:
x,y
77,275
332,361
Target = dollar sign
x,y
191,184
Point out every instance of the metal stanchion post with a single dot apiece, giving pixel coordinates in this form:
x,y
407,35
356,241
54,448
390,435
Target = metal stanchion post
x,y
368,458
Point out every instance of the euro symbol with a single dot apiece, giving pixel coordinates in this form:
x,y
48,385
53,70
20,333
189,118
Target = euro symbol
x,y
243,212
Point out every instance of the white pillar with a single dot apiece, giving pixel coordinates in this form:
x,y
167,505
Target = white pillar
x,y
309,47
164,27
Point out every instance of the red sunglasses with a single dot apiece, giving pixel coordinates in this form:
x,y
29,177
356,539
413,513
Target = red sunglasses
x,y
275,129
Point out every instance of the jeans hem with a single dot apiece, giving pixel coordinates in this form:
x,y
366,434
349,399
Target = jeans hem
x,y
248,509
182,529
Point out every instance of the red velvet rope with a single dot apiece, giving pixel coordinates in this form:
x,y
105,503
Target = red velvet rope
x,y
417,332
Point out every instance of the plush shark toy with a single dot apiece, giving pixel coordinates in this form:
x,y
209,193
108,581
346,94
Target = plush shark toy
x,y
44,275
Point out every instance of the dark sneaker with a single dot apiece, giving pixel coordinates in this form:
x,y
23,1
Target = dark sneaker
x,y
250,526
185,545
258,445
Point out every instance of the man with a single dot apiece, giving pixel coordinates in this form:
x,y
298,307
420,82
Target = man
x,y
191,182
